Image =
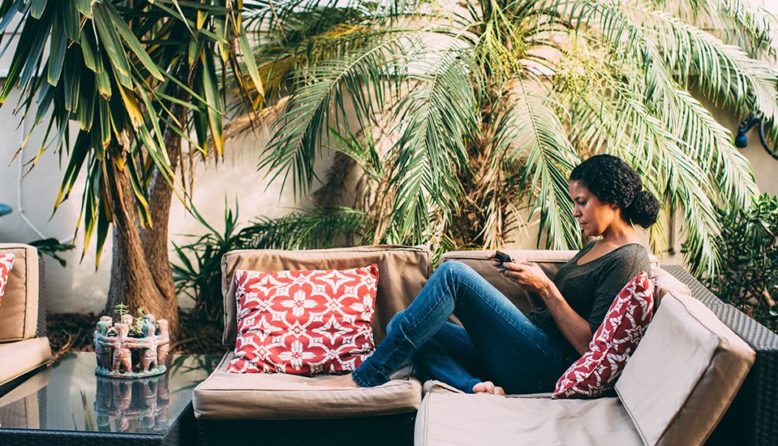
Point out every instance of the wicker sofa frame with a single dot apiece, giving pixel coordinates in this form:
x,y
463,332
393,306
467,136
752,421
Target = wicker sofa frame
x,y
752,419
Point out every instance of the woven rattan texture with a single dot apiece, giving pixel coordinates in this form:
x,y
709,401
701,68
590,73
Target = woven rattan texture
x,y
17,437
757,335
698,290
386,430
752,419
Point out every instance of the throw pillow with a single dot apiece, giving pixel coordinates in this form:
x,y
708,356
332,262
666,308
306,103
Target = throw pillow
x,y
613,342
304,322
6,264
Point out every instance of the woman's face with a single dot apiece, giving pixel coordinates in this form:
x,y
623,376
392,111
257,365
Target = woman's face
x,y
593,215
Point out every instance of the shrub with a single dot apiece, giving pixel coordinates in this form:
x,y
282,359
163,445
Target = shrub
x,y
749,259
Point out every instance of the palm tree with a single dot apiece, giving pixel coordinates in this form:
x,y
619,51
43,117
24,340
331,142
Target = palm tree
x,y
135,76
464,119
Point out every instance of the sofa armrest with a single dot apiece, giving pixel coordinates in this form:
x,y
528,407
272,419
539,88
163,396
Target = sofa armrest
x,y
20,311
752,419
42,307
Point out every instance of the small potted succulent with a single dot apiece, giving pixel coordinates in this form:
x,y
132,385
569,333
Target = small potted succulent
x,y
131,347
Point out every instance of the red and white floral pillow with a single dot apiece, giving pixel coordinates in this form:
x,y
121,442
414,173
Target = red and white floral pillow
x,y
613,342
6,265
304,322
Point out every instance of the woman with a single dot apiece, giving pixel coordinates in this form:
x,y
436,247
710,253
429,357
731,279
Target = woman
x,y
498,348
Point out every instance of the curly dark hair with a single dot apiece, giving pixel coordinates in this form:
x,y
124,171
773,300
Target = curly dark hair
x,y
614,181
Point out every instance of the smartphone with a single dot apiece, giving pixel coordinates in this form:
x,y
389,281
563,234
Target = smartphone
x,y
502,257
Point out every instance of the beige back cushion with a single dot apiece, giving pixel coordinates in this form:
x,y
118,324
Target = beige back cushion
x,y
684,374
402,272
549,261
19,309
667,283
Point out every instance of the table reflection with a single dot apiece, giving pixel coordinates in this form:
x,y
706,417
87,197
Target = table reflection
x,y
132,405
69,397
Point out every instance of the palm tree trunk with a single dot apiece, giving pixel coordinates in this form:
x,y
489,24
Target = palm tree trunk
x,y
154,239
141,275
133,279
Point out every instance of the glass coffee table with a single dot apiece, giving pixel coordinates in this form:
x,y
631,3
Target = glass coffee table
x,y
67,404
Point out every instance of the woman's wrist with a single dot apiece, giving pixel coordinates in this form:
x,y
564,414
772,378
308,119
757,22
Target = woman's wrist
x,y
547,291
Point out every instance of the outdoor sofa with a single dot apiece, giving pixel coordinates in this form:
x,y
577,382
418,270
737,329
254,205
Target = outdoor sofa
x,y
24,346
676,388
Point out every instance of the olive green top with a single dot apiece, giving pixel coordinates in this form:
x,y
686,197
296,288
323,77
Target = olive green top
x,y
590,288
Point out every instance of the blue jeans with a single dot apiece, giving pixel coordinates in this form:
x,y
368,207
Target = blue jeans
x,y
497,342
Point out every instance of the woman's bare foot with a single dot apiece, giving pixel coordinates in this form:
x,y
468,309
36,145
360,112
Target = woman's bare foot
x,y
345,381
488,387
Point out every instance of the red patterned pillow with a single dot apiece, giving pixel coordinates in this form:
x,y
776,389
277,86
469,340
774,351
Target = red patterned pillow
x,y
304,322
612,344
6,264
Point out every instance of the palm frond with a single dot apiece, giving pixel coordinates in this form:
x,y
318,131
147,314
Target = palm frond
x,y
307,229
436,119
684,114
529,133
723,73
357,81
739,22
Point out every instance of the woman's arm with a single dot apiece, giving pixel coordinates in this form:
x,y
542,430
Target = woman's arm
x,y
575,329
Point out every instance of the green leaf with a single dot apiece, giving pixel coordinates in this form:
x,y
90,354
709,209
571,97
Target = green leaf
x,y
104,135
78,155
213,100
56,51
132,42
33,58
84,7
72,80
110,42
70,20
86,103
88,53
37,7
251,64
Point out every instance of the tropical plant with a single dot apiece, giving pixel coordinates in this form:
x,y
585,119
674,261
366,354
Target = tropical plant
x,y
52,247
132,78
463,120
749,247
198,274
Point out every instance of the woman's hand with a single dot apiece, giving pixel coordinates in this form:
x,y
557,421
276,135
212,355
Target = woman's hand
x,y
527,274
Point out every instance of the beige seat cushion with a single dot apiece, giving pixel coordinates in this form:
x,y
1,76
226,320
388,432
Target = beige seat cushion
x,y
456,419
20,357
228,396
402,272
684,374
19,309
